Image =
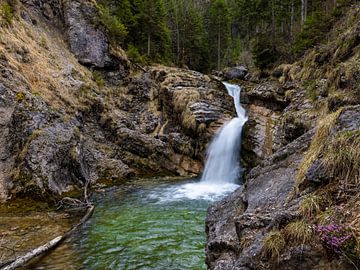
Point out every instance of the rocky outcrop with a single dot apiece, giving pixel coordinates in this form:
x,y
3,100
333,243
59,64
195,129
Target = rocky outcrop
x,y
235,73
303,138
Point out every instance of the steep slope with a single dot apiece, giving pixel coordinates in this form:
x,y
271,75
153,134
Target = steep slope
x,y
299,208
75,112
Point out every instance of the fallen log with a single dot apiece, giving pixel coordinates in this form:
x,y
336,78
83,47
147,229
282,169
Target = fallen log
x,y
23,260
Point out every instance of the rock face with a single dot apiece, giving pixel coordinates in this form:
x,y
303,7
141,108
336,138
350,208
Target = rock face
x,y
296,143
64,127
235,73
236,226
87,41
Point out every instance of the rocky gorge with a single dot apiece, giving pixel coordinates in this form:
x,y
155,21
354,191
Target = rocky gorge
x,y
76,115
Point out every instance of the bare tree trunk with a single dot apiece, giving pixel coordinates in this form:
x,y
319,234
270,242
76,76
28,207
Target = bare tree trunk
x,y
219,52
177,42
148,45
302,12
292,30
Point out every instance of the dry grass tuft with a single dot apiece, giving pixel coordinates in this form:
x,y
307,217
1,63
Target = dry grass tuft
x,y
311,206
273,244
316,147
183,97
299,232
342,160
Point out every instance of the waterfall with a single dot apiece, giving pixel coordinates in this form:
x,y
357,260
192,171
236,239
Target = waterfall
x,y
222,168
222,164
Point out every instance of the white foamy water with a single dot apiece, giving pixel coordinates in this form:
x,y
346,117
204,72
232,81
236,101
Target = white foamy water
x,y
222,164
222,169
193,191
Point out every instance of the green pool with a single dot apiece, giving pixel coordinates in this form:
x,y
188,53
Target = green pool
x,y
148,224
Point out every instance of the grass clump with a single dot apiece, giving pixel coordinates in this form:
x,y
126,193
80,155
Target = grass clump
x,y
273,244
342,159
98,78
183,97
299,232
311,206
317,146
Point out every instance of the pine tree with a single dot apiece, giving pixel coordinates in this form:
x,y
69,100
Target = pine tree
x,y
219,29
153,30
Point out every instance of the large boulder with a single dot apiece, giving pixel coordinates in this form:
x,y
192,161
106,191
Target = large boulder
x,y
235,73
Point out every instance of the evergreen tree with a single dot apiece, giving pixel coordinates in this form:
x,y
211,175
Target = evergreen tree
x,y
152,30
188,34
219,30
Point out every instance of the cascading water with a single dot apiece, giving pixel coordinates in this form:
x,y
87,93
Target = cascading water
x,y
222,165
222,168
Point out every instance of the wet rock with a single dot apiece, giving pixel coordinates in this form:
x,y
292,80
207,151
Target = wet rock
x,y
264,197
235,73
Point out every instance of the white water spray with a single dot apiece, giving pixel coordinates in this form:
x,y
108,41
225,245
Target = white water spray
x,y
222,168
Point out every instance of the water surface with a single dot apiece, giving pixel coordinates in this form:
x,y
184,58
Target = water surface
x,y
150,224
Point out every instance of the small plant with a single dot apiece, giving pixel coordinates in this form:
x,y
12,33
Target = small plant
x,y
338,240
20,97
299,231
7,13
273,244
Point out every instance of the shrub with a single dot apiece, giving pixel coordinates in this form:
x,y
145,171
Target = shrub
x,y
299,232
7,12
134,54
264,53
338,240
115,28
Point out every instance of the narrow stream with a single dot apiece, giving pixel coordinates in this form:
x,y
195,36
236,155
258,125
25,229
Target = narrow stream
x,y
151,224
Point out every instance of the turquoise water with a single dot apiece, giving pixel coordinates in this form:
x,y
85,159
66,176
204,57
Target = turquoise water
x,y
147,225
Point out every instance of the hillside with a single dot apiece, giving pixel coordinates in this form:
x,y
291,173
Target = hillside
x,y
81,111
